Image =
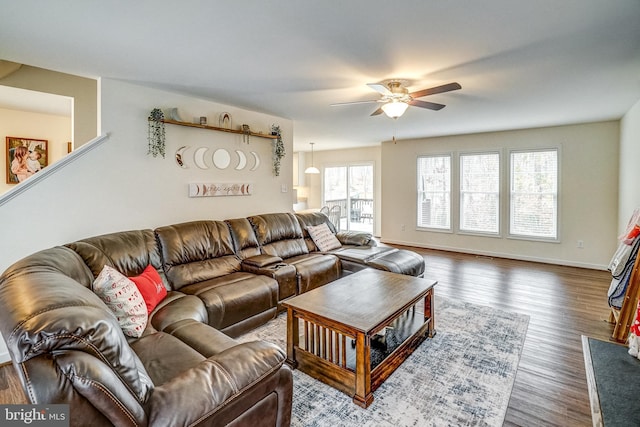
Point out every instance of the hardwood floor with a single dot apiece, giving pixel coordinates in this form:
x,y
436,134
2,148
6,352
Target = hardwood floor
x,y
10,388
562,302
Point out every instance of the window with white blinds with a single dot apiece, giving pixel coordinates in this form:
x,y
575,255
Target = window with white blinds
x,y
480,193
534,194
434,192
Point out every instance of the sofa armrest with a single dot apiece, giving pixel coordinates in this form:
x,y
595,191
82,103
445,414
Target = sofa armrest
x,y
260,261
225,386
356,238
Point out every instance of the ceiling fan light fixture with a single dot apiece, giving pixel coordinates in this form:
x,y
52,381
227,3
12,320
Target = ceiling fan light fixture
x,y
395,109
312,169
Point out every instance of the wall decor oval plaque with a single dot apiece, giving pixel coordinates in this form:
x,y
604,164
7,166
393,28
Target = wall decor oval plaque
x,y
221,158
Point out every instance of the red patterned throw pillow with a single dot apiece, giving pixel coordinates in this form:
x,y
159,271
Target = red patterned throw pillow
x,y
151,287
124,299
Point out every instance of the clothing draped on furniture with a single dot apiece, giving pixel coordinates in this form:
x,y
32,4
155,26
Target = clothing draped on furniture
x,y
621,266
625,284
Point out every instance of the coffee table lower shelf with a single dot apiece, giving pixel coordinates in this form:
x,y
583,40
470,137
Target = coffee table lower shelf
x,y
356,362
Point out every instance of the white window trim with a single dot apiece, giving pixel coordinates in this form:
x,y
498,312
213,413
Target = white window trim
x,y
371,163
500,193
452,202
557,239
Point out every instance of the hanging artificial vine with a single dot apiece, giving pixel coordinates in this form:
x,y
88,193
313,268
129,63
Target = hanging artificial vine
x,y
278,149
155,135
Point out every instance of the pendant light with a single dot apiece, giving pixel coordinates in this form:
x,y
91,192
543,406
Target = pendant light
x,y
312,169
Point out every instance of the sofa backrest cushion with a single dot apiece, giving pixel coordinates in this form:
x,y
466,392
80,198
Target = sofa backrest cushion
x,y
244,238
196,251
279,234
129,252
58,259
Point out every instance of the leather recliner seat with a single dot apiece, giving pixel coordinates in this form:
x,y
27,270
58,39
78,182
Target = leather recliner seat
x,y
280,235
67,346
199,259
222,278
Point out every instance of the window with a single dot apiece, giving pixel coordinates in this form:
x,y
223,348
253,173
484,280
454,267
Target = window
x,y
534,194
434,192
351,188
480,193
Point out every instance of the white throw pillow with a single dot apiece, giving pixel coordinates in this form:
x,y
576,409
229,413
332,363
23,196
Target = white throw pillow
x,y
323,237
122,296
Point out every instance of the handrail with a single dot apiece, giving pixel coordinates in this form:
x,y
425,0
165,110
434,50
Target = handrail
x,y
33,179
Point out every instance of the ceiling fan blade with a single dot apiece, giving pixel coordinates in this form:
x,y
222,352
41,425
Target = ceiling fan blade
x,y
438,89
425,104
380,88
352,103
377,112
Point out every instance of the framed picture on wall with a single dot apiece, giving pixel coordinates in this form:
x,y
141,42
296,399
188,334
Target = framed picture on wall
x,y
25,157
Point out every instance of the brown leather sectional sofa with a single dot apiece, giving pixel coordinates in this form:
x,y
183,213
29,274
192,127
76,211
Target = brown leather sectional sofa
x,y
223,279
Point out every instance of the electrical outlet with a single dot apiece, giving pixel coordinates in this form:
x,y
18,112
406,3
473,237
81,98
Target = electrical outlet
x,y
402,227
580,244
284,188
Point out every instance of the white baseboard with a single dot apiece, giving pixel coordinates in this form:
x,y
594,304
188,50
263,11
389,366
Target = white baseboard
x,y
500,255
4,357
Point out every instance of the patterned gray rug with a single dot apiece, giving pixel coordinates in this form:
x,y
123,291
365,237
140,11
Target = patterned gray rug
x,y
462,377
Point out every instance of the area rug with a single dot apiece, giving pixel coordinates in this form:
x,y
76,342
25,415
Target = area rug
x,y
613,377
461,377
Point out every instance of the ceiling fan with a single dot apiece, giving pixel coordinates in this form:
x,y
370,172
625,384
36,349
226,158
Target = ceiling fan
x,y
396,98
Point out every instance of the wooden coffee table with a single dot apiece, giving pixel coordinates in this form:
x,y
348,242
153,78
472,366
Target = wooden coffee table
x,y
354,332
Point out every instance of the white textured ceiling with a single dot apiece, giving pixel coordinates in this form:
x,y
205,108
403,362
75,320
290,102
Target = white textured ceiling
x,y
520,63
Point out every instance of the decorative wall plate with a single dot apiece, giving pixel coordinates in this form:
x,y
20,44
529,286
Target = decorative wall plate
x,y
257,160
242,160
221,158
180,158
198,157
225,120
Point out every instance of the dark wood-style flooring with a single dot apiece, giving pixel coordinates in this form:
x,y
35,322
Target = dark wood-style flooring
x,y
563,303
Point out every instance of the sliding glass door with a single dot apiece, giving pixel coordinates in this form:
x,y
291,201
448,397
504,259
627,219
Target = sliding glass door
x,y
351,187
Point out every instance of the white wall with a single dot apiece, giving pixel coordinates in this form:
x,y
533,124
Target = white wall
x,y
629,169
588,193
117,186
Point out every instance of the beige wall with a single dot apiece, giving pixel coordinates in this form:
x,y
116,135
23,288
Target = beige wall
x,y
84,92
629,168
55,129
588,193
588,200
117,186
